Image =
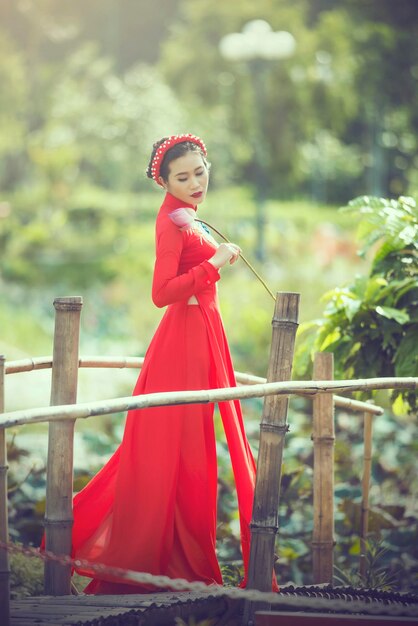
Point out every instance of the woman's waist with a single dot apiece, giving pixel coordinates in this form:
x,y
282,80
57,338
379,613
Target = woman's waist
x,y
206,298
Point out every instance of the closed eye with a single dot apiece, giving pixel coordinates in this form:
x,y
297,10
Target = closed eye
x,y
198,173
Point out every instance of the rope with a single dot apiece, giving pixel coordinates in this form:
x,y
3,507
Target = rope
x,y
252,595
247,263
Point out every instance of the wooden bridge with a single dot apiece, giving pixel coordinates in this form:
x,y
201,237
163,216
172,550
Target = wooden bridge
x,y
58,604
165,609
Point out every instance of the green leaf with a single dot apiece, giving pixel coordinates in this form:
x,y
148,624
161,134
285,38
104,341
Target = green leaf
x,y
406,356
351,307
408,203
399,406
345,490
385,249
403,287
374,286
330,339
399,316
409,235
355,547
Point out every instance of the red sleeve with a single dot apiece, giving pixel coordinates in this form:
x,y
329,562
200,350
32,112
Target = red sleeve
x,y
167,287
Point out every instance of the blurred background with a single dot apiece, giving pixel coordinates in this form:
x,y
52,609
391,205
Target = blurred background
x,y
303,105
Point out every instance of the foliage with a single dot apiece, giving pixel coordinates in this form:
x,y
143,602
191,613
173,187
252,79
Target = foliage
x,y
80,123
124,29
393,515
26,576
73,152
371,325
376,575
12,99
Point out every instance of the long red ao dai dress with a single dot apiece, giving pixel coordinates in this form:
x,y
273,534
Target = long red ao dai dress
x,y
152,507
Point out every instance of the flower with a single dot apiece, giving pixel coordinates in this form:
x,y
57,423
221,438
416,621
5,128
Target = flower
x,y
181,217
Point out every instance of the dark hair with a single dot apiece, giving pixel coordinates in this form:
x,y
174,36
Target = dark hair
x,y
178,150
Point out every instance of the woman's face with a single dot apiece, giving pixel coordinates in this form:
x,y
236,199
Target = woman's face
x,y
188,178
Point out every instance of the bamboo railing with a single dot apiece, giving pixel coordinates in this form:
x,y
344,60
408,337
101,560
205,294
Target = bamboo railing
x,y
106,407
367,469
45,362
4,530
59,484
273,427
323,488
66,345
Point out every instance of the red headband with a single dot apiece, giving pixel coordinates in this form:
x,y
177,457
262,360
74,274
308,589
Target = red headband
x,y
166,145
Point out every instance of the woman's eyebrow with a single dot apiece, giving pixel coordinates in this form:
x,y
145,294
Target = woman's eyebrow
x,y
185,173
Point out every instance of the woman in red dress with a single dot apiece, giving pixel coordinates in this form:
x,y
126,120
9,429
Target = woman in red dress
x,y
152,508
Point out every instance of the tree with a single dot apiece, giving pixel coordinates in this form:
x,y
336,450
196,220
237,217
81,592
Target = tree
x,y
13,109
129,31
73,196
351,79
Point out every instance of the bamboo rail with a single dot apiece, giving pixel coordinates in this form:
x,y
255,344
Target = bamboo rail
x,y
40,363
45,362
367,466
273,427
4,531
323,489
117,405
59,485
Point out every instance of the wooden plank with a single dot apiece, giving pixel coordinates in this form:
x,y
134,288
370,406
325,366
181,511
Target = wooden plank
x,y
284,618
159,608
64,619
60,614
87,610
131,600
73,606
74,617
29,622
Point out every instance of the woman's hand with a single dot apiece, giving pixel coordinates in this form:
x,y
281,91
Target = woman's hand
x,y
226,252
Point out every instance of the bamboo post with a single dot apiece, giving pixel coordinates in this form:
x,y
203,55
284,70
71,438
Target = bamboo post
x,y
273,427
59,488
367,467
4,530
323,491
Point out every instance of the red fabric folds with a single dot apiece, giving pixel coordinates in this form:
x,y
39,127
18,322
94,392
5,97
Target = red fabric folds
x,y
152,507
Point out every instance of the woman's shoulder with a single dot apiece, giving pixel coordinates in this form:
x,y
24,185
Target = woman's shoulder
x,y
166,230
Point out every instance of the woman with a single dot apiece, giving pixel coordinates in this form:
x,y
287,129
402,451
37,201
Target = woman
x,y
152,508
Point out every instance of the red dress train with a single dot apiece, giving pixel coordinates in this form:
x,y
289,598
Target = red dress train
x,y
152,507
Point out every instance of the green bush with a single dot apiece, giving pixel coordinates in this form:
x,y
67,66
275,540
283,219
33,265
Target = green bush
x,y
371,325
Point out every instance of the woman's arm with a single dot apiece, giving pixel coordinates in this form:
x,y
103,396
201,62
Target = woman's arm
x,y
167,287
